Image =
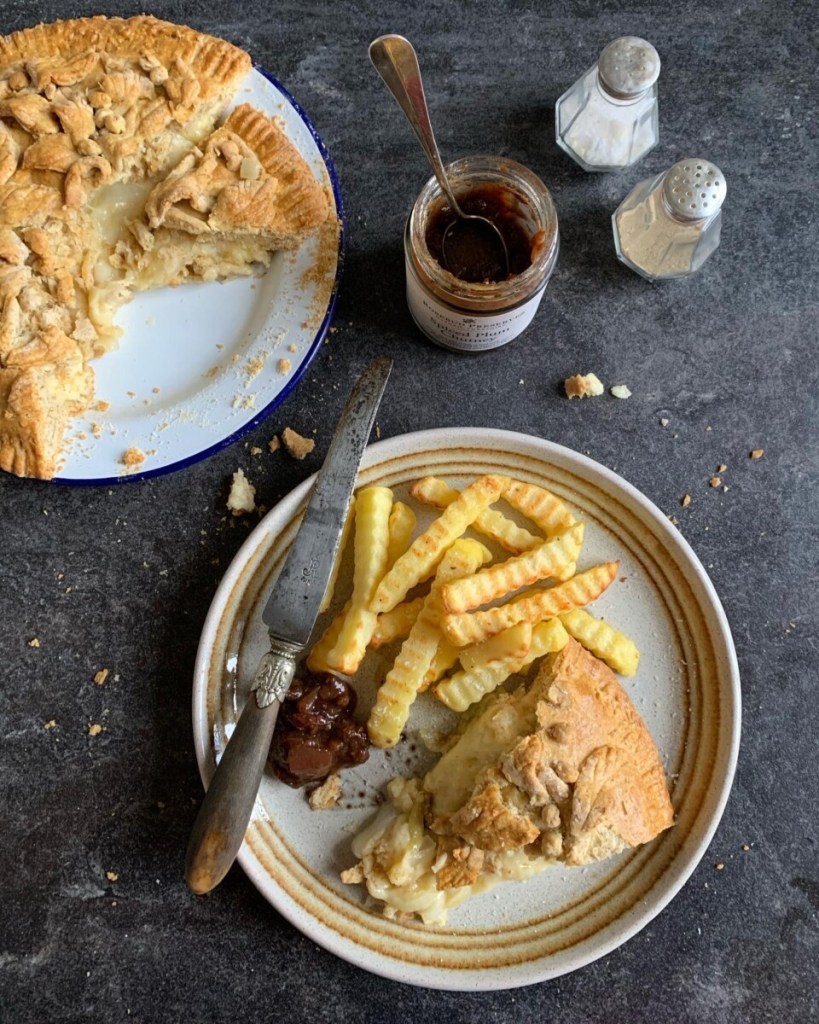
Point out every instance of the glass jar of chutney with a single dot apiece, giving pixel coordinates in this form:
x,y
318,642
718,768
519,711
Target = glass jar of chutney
x,y
454,310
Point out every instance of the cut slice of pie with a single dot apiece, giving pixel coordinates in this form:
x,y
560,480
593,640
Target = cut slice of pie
x,y
561,770
114,178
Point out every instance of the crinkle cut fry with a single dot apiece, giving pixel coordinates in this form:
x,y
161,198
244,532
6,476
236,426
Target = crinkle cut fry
x,y
545,509
427,549
493,524
389,714
556,557
473,627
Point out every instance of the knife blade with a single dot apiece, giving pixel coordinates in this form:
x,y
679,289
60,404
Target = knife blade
x,y
290,615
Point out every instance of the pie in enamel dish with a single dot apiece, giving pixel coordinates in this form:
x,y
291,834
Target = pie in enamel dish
x,y
114,178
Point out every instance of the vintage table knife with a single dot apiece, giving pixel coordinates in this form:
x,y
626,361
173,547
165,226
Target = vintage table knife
x,y
290,614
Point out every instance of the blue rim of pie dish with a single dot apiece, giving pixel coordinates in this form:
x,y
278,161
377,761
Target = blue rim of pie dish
x,y
315,345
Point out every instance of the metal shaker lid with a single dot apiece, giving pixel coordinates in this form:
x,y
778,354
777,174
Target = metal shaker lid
x,y
628,66
694,189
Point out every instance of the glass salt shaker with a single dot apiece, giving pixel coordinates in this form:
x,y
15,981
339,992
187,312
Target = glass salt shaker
x,y
608,119
669,225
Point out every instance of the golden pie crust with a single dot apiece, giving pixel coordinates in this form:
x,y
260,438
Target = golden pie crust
x,y
114,178
565,766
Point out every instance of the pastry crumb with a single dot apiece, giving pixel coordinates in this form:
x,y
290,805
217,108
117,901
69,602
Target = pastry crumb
x,y
284,366
721,467
757,453
133,457
255,450
715,481
685,500
102,406
326,795
242,496
112,876
34,642
274,444
101,676
583,386
94,729
296,445
353,875
620,391
664,421
51,724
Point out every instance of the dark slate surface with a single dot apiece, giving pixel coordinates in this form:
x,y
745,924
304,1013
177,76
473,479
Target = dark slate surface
x,y
122,577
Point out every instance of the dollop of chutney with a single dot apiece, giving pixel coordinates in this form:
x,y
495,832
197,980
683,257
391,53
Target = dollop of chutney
x,y
507,211
315,732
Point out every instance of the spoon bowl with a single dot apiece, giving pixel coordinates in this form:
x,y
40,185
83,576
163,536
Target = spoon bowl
x,y
472,245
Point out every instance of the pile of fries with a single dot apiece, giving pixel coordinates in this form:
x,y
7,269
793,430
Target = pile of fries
x,y
481,620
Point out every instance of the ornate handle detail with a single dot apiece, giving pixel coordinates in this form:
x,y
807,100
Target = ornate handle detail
x,y
275,672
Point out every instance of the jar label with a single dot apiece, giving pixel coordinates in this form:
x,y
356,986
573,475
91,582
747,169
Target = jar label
x,y
467,331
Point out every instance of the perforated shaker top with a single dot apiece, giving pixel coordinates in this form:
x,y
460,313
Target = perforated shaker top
x,y
628,66
695,189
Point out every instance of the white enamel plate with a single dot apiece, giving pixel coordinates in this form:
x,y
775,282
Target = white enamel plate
x,y
199,365
686,689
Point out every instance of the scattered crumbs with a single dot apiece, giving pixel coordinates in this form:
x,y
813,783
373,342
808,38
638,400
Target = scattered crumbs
x,y
82,436
296,445
745,847
724,487
96,430
94,729
292,348
235,357
720,866
253,367
133,457
583,386
664,421
674,520
219,345
757,453
620,391
326,795
707,430
255,450
274,444
102,406
131,394
156,390
112,876
623,579
721,467
377,430
242,496
212,372
34,642
685,500
715,481
101,676
284,366
333,330
50,725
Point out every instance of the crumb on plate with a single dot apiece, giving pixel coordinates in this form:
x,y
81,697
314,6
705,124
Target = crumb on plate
x,y
327,794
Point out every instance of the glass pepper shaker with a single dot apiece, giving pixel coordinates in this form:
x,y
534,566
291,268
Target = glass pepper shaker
x,y
608,119
669,225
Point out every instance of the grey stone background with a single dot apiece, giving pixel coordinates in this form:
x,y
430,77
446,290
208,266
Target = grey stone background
x,y
122,577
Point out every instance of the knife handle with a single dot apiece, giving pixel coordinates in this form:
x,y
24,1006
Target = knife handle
x,y
222,820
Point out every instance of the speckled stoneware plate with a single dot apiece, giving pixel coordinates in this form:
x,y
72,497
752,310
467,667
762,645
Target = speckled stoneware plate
x,y
199,365
687,689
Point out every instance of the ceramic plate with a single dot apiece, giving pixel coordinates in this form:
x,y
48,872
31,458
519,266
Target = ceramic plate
x,y
687,690
199,365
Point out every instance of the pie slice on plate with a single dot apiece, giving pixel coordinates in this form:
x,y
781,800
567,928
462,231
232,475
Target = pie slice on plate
x,y
114,178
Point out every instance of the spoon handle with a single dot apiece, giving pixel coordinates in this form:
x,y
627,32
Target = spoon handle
x,y
395,60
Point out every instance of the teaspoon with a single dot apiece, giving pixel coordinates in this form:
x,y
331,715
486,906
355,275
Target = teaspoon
x,y
472,248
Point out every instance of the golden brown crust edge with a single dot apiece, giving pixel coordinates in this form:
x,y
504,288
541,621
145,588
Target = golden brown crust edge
x,y
215,62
